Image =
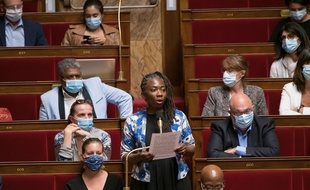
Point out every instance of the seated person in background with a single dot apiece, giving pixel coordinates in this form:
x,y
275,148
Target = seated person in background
x,y
212,177
295,98
5,114
94,175
235,68
16,31
68,143
292,40
243,133
0,182
56,103
299,14
93,32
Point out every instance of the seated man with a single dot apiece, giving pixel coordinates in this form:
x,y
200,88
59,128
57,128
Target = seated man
x,y
212,177
243,133
16,31
56,103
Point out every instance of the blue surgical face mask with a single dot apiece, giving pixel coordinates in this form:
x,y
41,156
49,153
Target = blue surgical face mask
x,y
306,72
230,79
299,15
245,120
94,162
290,45
85,124
74,86
93,23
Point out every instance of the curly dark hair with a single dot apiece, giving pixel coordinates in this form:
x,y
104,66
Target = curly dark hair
x,y
168,107
302,2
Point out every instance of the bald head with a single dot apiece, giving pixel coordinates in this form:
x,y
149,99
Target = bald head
x,y
240,103
211,175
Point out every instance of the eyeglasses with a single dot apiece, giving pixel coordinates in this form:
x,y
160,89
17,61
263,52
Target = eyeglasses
x,y
210,187
289,37
13,7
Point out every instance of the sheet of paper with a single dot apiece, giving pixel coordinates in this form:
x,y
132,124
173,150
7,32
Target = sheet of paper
x,y
164,144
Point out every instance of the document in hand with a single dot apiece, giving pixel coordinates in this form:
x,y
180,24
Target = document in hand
x,y
164,144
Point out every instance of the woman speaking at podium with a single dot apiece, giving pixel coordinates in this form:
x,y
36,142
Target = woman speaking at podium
x,y
162,174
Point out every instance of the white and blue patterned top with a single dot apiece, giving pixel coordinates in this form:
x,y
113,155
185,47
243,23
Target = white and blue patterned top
x,y
65,153
133,136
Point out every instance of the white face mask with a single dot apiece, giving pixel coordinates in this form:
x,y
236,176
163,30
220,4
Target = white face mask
x,y
14,15
230,79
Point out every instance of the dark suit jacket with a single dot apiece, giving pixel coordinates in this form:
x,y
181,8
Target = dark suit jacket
x,y
33,31
262,139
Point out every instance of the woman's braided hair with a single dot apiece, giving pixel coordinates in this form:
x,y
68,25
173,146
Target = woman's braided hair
x,y
168,107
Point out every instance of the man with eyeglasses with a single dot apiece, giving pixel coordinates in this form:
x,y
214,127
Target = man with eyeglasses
x,y
16,31
57,102
212,178
243,133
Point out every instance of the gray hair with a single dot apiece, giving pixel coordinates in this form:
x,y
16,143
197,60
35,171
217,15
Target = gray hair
x,y
65,64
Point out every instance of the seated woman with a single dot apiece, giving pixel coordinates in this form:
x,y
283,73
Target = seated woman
x,y
94,175
68,143
235,68
292,40
93,32
299,15
163,174
295,98
5,114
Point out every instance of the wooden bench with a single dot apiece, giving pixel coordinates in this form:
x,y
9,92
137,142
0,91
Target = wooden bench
x,y
55,24
225,25
285,173
21,136
46,175
13,61
291,130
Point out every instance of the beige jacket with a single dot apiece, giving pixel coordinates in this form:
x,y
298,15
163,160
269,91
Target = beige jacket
x,y
74,35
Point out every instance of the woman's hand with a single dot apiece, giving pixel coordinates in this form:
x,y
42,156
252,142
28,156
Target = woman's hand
x,y
146,156
181,149
71,128
97,40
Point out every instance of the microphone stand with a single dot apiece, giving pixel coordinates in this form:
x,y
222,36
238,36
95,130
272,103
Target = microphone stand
x,y
126,165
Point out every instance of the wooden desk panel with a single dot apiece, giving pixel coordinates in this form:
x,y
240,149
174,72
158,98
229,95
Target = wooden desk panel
x,y
55,125
57,168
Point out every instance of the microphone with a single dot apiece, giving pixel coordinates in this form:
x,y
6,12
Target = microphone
x,y
159,116
126,165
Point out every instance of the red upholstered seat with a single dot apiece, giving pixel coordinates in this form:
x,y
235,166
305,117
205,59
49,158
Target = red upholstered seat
x,y
22,106
232,31
210,66
206,4
62,180
202,99
116,143
23,146
28,69
259,180
206,136
273,98
33,182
